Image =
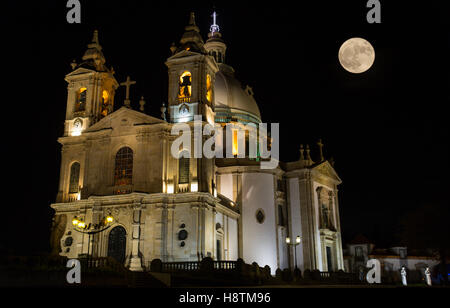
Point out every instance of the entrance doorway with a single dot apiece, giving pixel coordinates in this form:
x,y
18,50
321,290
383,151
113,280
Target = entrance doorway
x,y
329,259
117,240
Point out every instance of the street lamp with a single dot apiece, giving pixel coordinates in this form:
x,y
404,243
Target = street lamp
x,y
80,226
297,241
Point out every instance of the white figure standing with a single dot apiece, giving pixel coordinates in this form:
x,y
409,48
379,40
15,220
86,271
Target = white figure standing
x,y
428,276
403,272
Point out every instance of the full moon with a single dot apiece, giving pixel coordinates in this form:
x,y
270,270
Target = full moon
x,y
356,55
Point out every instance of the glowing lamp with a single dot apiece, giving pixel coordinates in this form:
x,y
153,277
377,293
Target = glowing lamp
x,y
75,221
170,188
298,240
81,225
109,219
288,240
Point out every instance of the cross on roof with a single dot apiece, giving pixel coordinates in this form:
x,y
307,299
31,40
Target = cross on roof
x,y
127,84
214,27
320,144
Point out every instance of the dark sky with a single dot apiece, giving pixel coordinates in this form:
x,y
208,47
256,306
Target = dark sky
x,y
387,128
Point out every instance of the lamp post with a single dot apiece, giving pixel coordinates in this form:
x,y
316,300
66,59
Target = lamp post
x,y
80,226
297,241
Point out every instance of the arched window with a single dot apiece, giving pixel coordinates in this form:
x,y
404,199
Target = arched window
x,y
185,91
74,178
123,173
80,102
183,168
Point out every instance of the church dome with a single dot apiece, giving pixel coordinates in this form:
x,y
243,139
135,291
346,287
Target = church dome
x,y
232,101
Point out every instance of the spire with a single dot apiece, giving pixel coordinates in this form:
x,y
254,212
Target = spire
x,y
192,19
93,56
95,43
191,39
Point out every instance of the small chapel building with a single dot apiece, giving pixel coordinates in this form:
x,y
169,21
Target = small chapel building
x,y
118,164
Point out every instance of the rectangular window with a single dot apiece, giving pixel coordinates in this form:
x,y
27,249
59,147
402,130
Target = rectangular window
x,y
183,171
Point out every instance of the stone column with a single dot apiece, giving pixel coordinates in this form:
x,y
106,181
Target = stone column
x,y
307,214
136,262
195,250
96,216
170,232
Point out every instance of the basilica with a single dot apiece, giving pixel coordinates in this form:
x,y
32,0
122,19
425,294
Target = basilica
x,y
122,194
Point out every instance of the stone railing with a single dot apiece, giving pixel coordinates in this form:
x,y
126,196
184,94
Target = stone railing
x,y
103,264
223,270
179,266
225,265
194,265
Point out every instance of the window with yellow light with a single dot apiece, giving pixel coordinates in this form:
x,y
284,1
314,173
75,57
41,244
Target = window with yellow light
x,y
208,88
185,87
80,102
105,103
235,142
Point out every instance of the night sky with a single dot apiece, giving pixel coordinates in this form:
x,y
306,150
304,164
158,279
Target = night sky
x,y
387,129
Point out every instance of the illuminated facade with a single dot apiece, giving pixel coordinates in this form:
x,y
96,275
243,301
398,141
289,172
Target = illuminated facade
x,y
119,163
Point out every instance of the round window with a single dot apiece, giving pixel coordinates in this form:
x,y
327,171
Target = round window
x,y
68,241
260,216
182,235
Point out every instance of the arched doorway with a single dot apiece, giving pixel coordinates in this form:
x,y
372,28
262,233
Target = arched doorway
x,y
117,241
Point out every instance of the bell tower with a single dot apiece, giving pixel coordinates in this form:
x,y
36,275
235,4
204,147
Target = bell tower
x,y
191,78
90,91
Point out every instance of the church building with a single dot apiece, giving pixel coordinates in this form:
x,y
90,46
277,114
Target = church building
x,y
122,194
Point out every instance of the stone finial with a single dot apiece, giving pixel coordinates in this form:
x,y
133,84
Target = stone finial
x,y
95,37
308,155
142,104
302,150
331,161
192,19
163,112
173,48
73,64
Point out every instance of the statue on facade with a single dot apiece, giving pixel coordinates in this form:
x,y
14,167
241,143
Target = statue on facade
x,y
403,273
428,276
58,229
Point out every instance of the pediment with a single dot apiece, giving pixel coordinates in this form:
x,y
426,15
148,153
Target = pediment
x,y
326,169
184,54
80,71
124,117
